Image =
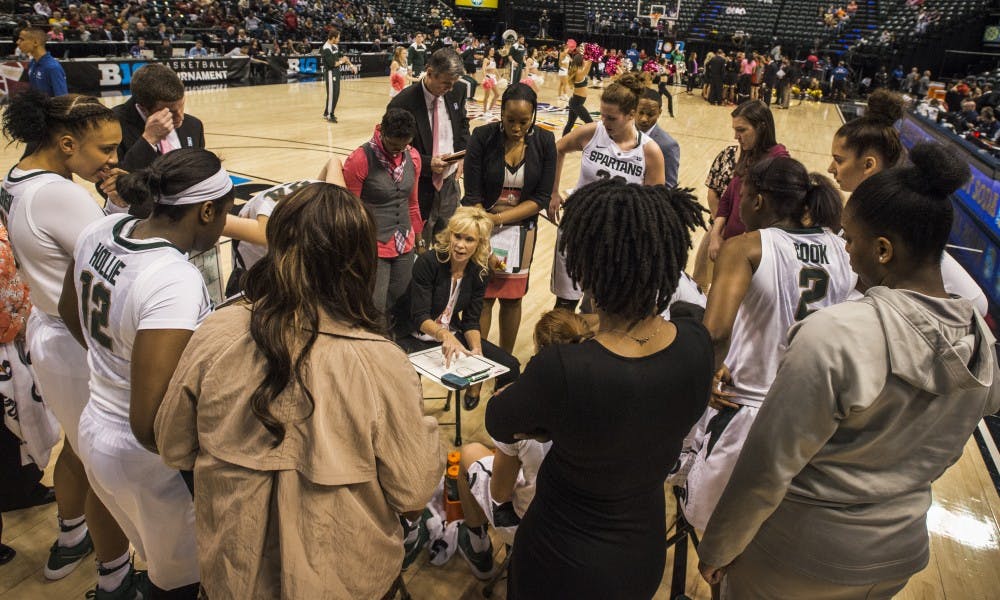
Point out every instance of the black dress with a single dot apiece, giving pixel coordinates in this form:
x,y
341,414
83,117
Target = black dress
x,y
596,528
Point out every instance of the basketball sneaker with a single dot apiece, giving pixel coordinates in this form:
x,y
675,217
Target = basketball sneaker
x,y
135,586
64,559
415,537
480,562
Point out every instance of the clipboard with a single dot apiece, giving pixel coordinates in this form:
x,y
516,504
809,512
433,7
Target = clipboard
x,y
475,369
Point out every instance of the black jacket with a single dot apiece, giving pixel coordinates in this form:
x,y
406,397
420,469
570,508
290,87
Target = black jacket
x,y
412,99
484,166
427,296
135,153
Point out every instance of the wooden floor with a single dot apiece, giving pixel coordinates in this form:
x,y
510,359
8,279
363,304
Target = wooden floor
x,y
275,133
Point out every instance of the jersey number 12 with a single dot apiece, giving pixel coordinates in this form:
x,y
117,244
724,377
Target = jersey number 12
x,y
95,318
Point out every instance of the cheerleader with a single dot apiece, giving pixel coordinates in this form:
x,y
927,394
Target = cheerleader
x,y
399,72
564,59
578,69
132,298
532,77
490,80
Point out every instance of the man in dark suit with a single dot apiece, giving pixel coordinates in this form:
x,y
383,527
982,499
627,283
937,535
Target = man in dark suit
x,y
442,129
715,70
153,121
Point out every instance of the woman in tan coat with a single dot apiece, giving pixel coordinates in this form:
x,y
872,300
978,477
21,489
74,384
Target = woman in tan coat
x,y
303,425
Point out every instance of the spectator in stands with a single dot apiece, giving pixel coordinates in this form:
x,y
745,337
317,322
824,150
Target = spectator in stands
x,y
969,115
56,34
753,125
924,84
345,444
45,74
988,125
198,50
911,83
110,34
153,121
442,129
42,8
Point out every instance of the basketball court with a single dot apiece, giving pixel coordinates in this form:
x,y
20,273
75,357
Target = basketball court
x,y
275,133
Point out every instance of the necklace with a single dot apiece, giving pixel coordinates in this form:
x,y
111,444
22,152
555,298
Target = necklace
x,y
642,341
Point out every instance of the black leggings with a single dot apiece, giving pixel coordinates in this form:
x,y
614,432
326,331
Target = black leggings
x,y
665,91
577,109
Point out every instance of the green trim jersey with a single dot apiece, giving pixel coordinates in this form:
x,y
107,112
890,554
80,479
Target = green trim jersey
x,y
800,272
125,285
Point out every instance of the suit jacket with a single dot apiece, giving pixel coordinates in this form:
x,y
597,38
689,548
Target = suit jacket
x,y
412,99
136,153
484,166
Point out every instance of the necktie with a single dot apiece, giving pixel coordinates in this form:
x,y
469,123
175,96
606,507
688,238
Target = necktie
x,y
436,178
165,146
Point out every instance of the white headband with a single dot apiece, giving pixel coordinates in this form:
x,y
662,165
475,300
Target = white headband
x,y
213,188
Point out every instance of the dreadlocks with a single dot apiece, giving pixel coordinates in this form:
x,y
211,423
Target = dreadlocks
x,y
626,244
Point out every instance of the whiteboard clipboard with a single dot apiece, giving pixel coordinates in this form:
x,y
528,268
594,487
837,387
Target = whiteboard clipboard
x,y
430,364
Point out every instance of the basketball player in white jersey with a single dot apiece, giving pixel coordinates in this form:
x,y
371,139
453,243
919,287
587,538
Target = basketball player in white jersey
x,y
249,231
133,299
45,211
612,149
788,265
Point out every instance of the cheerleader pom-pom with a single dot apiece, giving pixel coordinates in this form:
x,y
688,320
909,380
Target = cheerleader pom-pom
x,y
502,83
651,67
570,45
593,52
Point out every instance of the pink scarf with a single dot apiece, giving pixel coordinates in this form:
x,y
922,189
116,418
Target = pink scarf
x,y
393,164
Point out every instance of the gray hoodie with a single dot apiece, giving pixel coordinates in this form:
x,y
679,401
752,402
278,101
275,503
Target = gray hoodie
x,y
873,400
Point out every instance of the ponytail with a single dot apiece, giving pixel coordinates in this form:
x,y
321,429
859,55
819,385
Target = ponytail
x,y
625,92
875,131
823,203
809,199
168,175
35,119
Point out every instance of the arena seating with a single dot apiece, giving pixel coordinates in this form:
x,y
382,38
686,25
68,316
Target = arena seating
x,y
900,20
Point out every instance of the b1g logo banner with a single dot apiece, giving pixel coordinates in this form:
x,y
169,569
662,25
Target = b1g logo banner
x,y
89,76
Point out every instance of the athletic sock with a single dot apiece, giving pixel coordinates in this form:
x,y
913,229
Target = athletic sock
x,y
114,572
72,531
412,530
479,539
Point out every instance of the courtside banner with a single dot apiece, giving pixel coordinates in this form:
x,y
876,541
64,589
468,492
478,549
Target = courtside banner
x,y
92,75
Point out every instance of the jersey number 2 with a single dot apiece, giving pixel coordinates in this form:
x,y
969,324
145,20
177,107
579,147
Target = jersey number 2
x,y
815,283
96,318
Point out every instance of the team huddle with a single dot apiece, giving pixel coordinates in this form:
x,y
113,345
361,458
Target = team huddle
x,y
276,446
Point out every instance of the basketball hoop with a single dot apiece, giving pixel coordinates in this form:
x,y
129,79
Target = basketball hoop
x,y
654,19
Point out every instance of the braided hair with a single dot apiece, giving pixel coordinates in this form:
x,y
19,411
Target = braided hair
x,y
37,120
626,244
